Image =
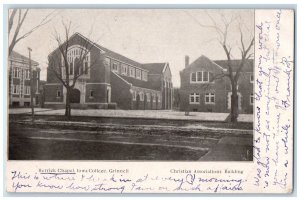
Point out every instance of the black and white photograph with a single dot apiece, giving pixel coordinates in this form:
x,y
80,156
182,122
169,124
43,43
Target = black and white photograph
x,y
131,84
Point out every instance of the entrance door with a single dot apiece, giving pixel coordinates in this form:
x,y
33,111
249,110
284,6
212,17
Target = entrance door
x,y
75,96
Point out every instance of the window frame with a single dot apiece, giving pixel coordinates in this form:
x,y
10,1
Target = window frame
x,y
194,96
27,90
197,80
210,96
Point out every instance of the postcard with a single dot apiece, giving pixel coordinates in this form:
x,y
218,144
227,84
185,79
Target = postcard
x,y
150,100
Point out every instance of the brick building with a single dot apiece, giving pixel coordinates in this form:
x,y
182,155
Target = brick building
x,y
201,91
110,81
19,81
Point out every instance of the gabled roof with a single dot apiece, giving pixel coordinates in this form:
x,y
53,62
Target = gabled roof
x,y
235,64
19,57
202,59
154,68
138,83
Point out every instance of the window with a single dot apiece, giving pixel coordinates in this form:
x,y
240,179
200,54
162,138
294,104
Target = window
x,y
71,69
194,98
193,77
58,93
138,74
134,95
91,94
142,96
251,78
209,98
27,90
205,76
16,72
251,99
27,74
158,98
153,98
115,67
200,77
15,89
131,72
145,75
77,52
124,70
86,68
148,97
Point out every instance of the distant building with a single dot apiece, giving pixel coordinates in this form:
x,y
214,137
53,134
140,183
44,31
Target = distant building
x,y
204,89
19,81
110,81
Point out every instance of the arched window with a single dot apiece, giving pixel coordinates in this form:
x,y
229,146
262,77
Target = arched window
x,y
78,58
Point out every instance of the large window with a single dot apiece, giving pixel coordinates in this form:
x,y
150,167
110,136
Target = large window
x,y
138,74
200,77
194,98
209,98
78,55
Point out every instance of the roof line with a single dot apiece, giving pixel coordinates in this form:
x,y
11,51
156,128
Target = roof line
x,y
130,84
127,63
224,69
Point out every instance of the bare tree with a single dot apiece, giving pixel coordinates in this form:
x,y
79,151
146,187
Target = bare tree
x,y
16,22
223,30
68,72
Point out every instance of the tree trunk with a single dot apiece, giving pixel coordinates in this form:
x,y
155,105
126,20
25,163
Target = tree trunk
x,y
68,104
234,113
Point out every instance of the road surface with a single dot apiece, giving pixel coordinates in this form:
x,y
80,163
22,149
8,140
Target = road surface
x,y
120,142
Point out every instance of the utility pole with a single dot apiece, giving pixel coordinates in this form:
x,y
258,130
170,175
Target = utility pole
x,y
31,88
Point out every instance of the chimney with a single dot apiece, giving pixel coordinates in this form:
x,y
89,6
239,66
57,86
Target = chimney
x,y
187,61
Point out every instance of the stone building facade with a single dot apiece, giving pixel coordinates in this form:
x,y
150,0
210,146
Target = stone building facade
x,y
110,81
19,81
204,89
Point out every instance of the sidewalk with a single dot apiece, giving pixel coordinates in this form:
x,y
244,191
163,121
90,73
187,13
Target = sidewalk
x,y
145,114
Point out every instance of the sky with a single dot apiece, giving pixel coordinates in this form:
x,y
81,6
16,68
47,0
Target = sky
x,y
146,36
